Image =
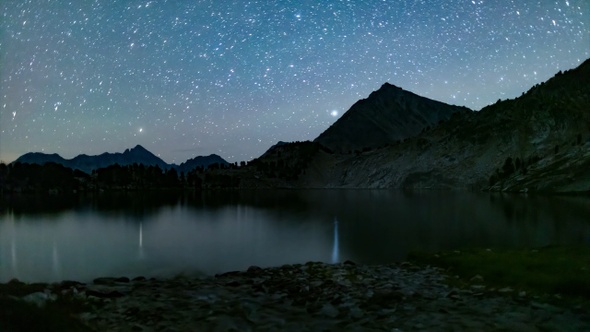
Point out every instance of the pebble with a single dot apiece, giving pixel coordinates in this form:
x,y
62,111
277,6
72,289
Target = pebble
x,y
477,278
311,297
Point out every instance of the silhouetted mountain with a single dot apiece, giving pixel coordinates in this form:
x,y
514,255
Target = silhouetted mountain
x,y
137,155
388,115
201,162
40,158
537,142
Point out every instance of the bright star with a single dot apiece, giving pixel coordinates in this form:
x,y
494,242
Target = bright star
x,y
334,113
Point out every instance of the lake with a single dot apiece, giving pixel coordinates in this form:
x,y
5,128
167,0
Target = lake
x,y
162,234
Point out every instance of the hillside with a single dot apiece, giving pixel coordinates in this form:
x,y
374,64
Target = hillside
x,y
536,142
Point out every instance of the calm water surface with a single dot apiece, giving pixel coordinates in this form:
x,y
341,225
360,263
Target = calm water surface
x,y
164,234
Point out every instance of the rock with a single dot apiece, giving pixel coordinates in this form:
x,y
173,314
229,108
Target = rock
x,y
254,270
405,264
228,274
451,293
505,290
355,312
349,262
329,310
233,283
386,298
140,278
66,284
104,294
316,297
476,278
104,281
478,287
543,306
40,299
122,279
316,283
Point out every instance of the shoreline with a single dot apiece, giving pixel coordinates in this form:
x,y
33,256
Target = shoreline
x,y
299,297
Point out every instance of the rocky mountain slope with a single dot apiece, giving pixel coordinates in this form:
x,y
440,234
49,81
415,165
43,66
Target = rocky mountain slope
x,y
537,142
388,115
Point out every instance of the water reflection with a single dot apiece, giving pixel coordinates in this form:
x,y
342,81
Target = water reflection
x,y
55,261
336,247
141,252
13,260
137,205
157,234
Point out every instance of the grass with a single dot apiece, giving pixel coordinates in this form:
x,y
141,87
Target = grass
x,y
540,272
549,270
18,315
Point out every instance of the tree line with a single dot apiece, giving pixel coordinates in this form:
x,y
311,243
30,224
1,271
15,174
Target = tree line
x,y
56,178
287,162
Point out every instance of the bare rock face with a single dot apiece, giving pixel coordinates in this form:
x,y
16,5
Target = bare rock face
x,y
538,142
388,115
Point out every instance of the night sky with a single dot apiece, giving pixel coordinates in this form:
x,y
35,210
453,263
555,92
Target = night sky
x,y
189,78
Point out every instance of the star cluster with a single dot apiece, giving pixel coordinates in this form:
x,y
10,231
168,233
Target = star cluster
x,y
188,78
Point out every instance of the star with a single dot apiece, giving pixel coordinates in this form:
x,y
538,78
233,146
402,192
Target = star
x,y
235,78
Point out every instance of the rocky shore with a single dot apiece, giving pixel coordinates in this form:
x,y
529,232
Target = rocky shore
x,y
310,297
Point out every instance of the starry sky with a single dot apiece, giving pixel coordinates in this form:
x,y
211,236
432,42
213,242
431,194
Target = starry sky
x,y
233,77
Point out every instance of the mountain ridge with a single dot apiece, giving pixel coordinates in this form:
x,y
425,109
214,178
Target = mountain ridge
x,y
391,113
200,161
137,154
539,141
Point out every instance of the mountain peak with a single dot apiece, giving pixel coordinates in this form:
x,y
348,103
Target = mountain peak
x,y
138,150
39,158
201,161
388,115
388,85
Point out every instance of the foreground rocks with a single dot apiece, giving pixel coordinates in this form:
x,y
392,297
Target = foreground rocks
x,y
310,297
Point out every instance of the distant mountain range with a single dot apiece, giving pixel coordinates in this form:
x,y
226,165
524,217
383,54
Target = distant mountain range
x,y
538,142
200,161
138,155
